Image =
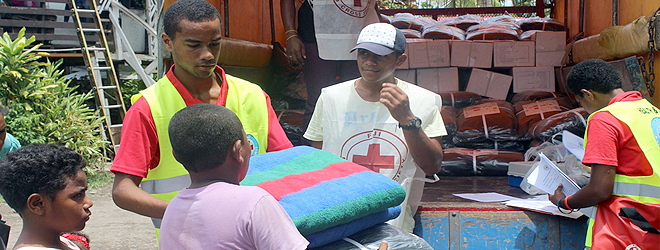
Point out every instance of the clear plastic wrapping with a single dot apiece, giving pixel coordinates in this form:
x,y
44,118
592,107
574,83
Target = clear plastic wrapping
x,y
541,23
466,162
574,120
441,31
530,112
494,31
490,119
372,237
459,99
462,22
535,96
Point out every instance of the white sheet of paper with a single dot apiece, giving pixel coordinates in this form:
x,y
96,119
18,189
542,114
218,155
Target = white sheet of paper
x,y
486,197
543,206
573,144
547,177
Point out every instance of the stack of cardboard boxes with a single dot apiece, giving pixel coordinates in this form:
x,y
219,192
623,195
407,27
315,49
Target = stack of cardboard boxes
x,y
493,66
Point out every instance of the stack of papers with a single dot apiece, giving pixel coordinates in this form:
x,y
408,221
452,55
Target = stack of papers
x,y
541,206
547,177
539,203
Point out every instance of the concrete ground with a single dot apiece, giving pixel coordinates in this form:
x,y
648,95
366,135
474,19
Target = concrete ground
x,y
109,227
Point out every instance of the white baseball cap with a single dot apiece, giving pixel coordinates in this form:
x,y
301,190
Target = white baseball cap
x,y
381,39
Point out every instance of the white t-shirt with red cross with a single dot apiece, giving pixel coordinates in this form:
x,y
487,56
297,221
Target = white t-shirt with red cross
x,y
365,133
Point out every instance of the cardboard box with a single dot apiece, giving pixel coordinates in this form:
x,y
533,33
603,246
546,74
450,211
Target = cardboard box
x,y
406,64
471,54
549,58
408,75
514,54
438,79
428,54
549,41
487,83
533,78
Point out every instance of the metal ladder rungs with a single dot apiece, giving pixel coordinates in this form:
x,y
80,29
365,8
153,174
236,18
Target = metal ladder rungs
x,y
91,30
113,106
107,87
101,81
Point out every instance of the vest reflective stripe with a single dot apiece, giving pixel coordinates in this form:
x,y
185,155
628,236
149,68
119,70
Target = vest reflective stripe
x,y
638,116
245,99
168,185
641,191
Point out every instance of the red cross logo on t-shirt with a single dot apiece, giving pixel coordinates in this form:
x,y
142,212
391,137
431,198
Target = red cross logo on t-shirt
x,y
376,149
355,8
373,160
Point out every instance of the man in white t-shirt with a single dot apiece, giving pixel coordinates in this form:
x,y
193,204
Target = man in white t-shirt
x,y
373,122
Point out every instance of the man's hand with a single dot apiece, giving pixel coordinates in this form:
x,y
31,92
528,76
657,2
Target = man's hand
x,y
397,103
558,195
295,49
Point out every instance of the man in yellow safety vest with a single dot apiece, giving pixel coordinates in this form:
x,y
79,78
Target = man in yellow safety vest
x,y
622,147
192,33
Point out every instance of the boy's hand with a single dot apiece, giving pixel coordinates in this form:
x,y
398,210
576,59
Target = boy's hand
x,y
397,103
558,195
383,245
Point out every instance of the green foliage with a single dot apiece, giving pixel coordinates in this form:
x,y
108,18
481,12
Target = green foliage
x,y
130,88
398,4
43,107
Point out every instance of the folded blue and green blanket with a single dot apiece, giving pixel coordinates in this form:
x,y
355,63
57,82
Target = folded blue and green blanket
x,y
321,191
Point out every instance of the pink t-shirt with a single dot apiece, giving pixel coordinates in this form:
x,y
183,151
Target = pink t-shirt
x,y
139,150
228,216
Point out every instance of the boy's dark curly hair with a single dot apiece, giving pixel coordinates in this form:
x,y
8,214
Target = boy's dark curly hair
x,y
36,168
202,135
593,74
191,10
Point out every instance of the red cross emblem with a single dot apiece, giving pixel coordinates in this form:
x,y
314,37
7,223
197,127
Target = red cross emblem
x,y
373,160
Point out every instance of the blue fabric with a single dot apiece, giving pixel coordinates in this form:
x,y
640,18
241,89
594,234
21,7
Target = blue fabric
x,y
331,193
342,231
11,144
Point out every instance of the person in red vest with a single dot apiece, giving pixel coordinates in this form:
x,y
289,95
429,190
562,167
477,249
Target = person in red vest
x,y
147,176
622,147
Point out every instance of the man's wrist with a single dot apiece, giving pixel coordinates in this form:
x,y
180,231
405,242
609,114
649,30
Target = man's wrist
x,y
413,124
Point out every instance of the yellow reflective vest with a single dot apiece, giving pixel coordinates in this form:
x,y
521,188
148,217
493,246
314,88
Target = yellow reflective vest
x,y
245,99
643,119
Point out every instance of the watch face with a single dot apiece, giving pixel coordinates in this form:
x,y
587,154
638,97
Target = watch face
x,y
417,123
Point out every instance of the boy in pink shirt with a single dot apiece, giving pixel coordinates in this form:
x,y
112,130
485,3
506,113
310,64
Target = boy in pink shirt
x,y
214,212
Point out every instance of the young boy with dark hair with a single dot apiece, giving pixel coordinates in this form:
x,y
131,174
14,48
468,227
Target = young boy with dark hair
x,y
46,185
622,147
214,212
